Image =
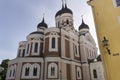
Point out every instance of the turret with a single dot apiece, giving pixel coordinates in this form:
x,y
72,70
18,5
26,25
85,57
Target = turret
x,y
64,18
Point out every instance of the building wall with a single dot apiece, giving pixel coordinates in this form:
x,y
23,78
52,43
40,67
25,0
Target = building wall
x,y
99,71
106,16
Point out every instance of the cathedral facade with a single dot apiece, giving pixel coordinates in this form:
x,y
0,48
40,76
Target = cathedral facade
x,y
57,53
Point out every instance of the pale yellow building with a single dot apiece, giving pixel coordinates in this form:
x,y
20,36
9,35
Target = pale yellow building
x,y
107,20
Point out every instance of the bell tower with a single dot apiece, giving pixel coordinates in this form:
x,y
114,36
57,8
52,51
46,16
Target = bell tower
x,y
64,17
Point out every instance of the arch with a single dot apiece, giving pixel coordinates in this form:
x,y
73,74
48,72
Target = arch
x,y
52,70
36,47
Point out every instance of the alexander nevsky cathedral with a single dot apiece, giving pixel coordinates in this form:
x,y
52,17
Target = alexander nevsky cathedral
x,y
57,53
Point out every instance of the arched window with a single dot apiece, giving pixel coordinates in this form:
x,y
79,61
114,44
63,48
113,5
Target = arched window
x,y
52,70
95,73
36,47
53,42
67,21
23,53
35,71
27,69
28,48
78,73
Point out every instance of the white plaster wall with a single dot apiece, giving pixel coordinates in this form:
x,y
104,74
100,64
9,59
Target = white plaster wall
x,y
100,71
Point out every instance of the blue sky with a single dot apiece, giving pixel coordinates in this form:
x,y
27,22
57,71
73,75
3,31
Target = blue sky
x,y
18,18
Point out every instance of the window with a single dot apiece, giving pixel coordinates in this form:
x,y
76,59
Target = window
x,y
27,48
67,21
118,2
34,71
53,42
78,73
23,53
36,48
52,71
75,49
13,72
95,73
10,73
26,71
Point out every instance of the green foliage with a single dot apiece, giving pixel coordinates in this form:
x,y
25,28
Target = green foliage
x,y
4,66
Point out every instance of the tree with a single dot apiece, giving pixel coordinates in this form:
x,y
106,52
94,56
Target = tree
x,y
4,66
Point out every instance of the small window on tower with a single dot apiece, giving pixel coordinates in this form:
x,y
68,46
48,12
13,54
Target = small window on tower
x,y
67,21
118,2
53,42
36,48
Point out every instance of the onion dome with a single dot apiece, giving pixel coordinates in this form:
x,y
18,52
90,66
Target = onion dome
x,y
37,32
42,24
83,26
64,10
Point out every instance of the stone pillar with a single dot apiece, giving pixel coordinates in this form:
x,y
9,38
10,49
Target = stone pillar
x,y
86,71
18,71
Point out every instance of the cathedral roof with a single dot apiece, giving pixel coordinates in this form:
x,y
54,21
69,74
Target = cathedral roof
x,y
83,26
37,32
42,24
64,10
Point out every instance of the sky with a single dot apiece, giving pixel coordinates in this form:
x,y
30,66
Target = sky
x,y
18,18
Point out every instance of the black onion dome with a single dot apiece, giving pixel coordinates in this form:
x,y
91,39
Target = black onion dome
x,y
37,32
63,10
83,26
42,24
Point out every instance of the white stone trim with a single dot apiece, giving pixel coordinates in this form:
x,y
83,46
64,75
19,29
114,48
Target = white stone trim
x,y
18,60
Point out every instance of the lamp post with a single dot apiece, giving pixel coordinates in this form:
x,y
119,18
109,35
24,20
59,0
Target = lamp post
x,y
106,45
